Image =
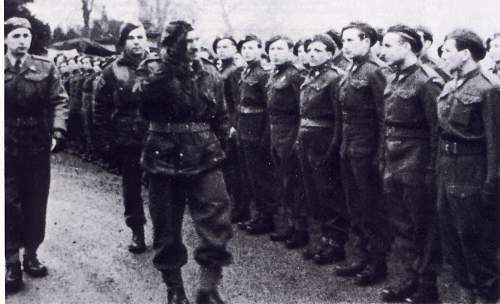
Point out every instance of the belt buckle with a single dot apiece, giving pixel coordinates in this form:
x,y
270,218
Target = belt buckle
x,y
451,148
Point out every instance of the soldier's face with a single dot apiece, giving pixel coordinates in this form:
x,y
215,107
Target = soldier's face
x,y
393,50
279,52
453,59
136,42
495,49
302,55
193,45
353,45
250,51
18,41
225,49
318,53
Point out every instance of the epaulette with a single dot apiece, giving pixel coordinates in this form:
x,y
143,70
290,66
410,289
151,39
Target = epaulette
x,y
41,58
432,74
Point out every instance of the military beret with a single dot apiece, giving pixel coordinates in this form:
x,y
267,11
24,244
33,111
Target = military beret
x,y
323,38
337,38
249,37
275,38
298,44
467,39
125,30
218,39
15,23
174,32
409,35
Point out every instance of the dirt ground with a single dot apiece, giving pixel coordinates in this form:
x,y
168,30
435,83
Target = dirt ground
x,y
86,251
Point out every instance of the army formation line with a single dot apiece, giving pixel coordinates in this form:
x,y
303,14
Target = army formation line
x,y
361,132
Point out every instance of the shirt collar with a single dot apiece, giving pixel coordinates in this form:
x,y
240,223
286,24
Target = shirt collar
x,y
13,59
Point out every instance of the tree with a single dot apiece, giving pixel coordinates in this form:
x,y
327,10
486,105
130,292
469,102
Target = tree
x,y
87,7
58,35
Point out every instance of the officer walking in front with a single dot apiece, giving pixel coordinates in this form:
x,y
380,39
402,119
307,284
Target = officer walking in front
x,y
36,110
183,100
361,121
120,129
318,142
468,167
410,115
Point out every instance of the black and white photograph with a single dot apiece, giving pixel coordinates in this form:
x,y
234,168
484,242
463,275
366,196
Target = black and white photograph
x,y
251,151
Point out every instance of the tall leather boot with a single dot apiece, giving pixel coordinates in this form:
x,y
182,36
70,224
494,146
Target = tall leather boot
x,y
137,244
210,278
175,287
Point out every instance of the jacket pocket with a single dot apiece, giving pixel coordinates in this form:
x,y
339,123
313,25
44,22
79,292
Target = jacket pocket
x,y
462,108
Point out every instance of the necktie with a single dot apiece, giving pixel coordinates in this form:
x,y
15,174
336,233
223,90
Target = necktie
x,y
17,66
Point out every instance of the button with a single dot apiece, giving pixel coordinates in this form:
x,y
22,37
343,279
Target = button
x,y
181,154
157,152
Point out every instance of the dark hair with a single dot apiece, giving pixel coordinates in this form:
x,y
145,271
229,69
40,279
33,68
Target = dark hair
x,y
467,39
367,31
275,38
336,37
489,40
248,38
407,34
219,39
426,33
323,38
298,44
59,55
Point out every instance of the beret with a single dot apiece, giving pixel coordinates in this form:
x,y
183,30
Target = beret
x,y
15,23
249,37
174,32
336,38
276,38
125,29
218,39
323,38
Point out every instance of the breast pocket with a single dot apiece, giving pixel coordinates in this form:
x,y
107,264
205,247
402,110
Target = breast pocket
x,y
462,108
405,108
35,84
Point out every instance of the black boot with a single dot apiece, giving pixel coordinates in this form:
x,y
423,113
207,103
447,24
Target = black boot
x,y
33,267
351,269
373,273
299,239
175,287
137,245
281,236
331,252
312,250
426,292
262,225
176,296
210,279
399,293
13,278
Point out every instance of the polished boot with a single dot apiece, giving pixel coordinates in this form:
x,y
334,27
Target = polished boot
x,y
426,292
262,225
137,244
372,274
399,292
299,239
281,236
13,278
330,253
350,270
33,267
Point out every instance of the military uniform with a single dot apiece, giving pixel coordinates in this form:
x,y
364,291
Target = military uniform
x,y
341,62
88,95
360,117
409,154
121,131
319,162
76,138
35,110
188,125
426,60
283,106
253,137
467,178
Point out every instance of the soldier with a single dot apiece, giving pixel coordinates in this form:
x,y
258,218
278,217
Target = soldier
x,y
318,152
183,100
300,53
427,40
225,49
339,59
87,106
35,111
75,123
361,121
409,156
253,131
493,46
283,93
119,127
468,167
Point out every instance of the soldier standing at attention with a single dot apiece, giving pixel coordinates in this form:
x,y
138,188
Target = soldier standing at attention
x,y
253,131
225,48
318,152
361,120
36,110
409,156
183,100
340,60
302,62
120,129
427,40
468,167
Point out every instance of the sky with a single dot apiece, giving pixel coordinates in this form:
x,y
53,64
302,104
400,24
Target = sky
x,y
301,17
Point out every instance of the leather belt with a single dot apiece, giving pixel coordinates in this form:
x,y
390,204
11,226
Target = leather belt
x,y
166,127
461,147
251,110
392,131
307,122
357,118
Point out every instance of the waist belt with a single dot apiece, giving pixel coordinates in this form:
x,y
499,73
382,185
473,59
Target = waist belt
x,y
28,121
251,110
461,147
166,127
307,122
357,118
393,131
